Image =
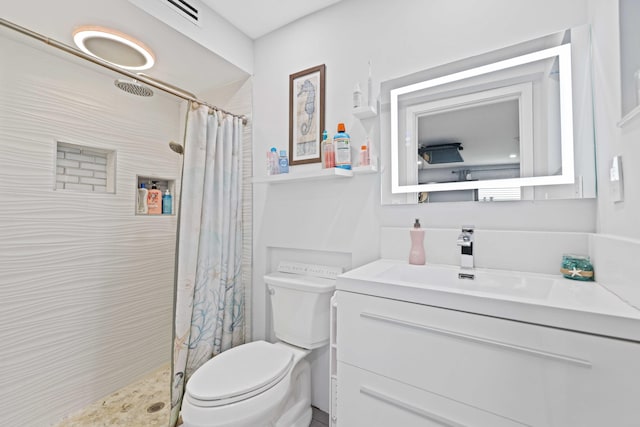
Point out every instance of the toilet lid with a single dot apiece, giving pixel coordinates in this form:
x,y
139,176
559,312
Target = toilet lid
x,y
239,373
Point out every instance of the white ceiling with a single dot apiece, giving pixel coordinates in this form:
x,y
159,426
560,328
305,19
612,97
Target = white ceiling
x,y
176,54
256,18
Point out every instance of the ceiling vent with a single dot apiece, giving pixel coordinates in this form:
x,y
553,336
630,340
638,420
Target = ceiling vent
x,y
186,9
445,152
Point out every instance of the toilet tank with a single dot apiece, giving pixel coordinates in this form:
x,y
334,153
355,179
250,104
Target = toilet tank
x,y
300,308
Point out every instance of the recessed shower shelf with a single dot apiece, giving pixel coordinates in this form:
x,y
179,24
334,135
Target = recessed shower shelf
x,y
315,175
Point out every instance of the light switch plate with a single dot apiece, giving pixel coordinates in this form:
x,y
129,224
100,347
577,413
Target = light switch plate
x,y
615,180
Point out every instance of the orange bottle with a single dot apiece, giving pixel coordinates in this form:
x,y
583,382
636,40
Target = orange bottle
x,y
154,200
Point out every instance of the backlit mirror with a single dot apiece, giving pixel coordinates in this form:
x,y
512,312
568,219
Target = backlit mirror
x,y
513,124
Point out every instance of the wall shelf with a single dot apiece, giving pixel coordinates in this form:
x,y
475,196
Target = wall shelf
x,y
315,175
365,112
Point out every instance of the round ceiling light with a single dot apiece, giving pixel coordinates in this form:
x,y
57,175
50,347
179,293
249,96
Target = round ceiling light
x,y
114,47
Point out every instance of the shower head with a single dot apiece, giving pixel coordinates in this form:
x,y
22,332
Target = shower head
x,y
176,147
133,87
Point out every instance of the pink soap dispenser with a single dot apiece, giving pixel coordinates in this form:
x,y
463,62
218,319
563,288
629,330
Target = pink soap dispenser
x,y
416,256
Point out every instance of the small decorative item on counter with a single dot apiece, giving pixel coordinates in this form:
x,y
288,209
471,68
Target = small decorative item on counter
x,y
283,162
576,267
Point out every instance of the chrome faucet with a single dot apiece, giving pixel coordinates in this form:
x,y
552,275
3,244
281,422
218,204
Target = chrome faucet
x,y
465,241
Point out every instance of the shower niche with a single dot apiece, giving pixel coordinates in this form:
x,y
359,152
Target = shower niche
x,y
161,184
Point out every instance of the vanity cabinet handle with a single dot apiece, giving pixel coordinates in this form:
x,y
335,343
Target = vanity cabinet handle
x,y
512,347
421,412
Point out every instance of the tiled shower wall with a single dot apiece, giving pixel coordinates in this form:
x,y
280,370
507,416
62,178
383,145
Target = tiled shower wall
x,y
86,285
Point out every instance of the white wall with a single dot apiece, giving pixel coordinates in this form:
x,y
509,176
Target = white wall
x,y
399,37
86,286
620,219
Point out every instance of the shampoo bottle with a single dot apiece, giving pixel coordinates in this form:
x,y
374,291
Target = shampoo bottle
x,y
154,200
416,255
142,200
342,142
167,203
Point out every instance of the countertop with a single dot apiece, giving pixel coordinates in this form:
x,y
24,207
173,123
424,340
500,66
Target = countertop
x,y
543,299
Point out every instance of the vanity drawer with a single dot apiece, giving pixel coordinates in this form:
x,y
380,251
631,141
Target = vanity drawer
x,y
371,400
530,374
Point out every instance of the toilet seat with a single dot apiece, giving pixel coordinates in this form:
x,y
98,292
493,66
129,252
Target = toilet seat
x,y
239,373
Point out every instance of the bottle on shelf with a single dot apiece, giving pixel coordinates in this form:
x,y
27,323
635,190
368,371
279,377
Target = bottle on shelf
x,y
167,203
328,152
357,96
154,200
342,142
142,207
283,162
274,166
364,155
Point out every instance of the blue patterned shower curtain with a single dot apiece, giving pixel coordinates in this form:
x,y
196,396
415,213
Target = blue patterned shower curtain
x,y
209,300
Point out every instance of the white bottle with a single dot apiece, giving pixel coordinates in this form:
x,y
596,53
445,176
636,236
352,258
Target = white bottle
x,y
142,207
273,161
357,96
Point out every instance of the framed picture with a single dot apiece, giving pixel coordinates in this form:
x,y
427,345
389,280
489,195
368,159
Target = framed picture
x,y
306,115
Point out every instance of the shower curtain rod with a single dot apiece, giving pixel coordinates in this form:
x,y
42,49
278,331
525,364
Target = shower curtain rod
x,y
51,42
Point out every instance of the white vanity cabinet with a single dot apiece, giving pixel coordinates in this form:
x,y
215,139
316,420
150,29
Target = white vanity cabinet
x,y
407,364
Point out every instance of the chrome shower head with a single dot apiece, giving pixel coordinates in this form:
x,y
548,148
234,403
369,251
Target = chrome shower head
x,y
133,87
176,147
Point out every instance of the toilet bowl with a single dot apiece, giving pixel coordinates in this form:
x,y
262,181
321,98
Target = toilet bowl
x,y
260,383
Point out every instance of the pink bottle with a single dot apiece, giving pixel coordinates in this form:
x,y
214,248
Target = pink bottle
x,y
416,255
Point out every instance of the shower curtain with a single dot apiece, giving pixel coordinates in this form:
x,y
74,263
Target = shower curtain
x,y
209,299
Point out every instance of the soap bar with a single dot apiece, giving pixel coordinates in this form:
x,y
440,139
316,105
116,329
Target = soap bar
x,y
576,267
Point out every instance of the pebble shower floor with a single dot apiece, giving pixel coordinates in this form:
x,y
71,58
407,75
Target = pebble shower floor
x,y
145,403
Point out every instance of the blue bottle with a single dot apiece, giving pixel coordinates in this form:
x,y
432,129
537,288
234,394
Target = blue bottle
x,y
283,162
167,203
342,142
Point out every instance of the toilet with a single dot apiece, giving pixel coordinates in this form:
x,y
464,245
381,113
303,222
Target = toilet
x,y
260,383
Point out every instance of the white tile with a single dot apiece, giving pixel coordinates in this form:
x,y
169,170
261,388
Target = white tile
x,y
68,163
67,178
614,261
93,181
80,157
78,187
533,251
68,149
93,166
78,172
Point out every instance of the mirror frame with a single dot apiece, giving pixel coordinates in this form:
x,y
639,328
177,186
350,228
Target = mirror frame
x,y
563,52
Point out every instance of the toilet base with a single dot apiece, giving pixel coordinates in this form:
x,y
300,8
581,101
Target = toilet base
x,y
287,404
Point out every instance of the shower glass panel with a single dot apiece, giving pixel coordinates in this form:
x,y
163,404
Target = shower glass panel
x,y
86,285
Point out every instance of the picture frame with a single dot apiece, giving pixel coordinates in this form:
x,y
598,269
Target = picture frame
x,y
306,115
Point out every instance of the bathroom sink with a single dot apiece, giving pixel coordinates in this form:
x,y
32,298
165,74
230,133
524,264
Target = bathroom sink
x,y
544,299
499,283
